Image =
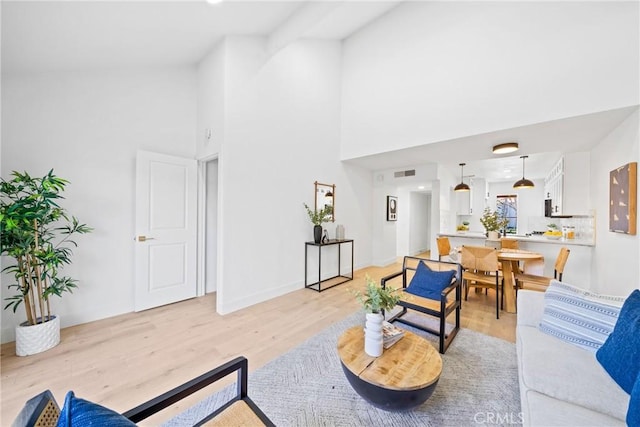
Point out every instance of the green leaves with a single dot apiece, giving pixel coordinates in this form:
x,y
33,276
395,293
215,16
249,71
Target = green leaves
x,y
491,221
318,217
375,299
37,233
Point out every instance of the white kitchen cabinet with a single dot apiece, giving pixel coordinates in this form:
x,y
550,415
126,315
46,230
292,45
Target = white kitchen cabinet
x,y
478,196
463,202
567,185
472,202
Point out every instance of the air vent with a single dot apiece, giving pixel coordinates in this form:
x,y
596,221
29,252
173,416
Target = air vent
x,y
400,174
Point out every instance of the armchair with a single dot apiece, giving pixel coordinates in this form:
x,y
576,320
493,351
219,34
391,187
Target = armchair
x,y
448,299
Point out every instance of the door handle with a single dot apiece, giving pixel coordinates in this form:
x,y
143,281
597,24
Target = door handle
x,y
144,238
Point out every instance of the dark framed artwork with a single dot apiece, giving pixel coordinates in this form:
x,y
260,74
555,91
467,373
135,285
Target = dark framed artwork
x,y
392,208
623,183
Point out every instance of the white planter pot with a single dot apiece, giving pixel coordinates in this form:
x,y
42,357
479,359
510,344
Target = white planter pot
x,y
494,235
33,339
373,334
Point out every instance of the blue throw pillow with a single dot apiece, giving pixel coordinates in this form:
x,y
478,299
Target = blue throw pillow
x,y
428,283
82,413
620,353
633,414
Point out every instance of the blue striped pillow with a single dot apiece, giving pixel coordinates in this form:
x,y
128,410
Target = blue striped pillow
x,y
578,316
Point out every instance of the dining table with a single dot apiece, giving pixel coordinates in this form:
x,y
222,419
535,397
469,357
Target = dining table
x,y
510,259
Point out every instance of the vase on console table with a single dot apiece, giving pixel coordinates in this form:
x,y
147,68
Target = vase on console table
x,y
373,334
317,233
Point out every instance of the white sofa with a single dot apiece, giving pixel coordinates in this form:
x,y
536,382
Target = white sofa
x,y
560,383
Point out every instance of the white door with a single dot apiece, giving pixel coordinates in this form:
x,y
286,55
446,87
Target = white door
x,y
166,225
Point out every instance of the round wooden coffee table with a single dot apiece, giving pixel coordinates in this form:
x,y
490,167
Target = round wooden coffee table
x,y
402,378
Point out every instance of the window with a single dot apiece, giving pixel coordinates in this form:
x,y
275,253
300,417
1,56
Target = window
x,y
507,207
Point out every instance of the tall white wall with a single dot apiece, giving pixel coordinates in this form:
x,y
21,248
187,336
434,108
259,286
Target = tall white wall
x,y
615,267
88,126
433,71
282,125
211,79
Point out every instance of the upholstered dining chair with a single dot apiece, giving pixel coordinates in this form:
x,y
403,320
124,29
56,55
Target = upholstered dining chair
x,y
536,282
444,248
480,270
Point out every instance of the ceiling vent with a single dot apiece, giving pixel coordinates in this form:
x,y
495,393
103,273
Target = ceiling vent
x,y
400,174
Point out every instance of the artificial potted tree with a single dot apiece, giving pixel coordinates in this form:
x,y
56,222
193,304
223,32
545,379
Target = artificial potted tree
x,y
36,234
375,300
318,217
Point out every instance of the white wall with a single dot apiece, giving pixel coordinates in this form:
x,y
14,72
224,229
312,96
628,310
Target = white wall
x,y
615,267
434,71
390,238
281,133
211,227
211,102
419,233
88,126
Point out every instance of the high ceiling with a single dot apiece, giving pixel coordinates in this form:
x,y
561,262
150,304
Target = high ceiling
x,y
71,35
86,35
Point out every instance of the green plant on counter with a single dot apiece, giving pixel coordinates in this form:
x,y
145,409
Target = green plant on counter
x,y
491,221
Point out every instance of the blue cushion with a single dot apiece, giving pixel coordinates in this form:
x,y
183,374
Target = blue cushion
x,y
82,413
620,353
428,283
578,316
633,414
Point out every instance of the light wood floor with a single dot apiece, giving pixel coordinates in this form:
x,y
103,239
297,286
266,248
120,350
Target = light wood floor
x,y
125,360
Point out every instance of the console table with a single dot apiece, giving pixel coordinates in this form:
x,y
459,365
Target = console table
x,y
317,286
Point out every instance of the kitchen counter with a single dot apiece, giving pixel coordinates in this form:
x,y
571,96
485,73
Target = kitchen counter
x,y
521,238
578,268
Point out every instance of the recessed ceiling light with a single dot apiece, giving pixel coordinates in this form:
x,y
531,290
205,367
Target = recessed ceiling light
x,y
507,147
421,187
214,1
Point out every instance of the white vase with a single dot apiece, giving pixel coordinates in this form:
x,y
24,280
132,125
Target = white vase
x,y
494,235
32,339
373,334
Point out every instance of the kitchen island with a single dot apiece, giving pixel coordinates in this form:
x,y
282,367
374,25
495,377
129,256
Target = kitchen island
x,y
578,269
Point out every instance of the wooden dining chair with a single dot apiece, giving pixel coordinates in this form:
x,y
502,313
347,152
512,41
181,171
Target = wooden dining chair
x,y
509,243
536,282
480,270
444,248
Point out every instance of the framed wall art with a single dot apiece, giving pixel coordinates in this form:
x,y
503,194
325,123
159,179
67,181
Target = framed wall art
x,y
623,183
392,208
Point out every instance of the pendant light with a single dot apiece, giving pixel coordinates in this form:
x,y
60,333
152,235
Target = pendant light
x,y
462,186
523,183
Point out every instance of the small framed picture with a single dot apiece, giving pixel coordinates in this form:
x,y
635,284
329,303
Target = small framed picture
x,y
392,208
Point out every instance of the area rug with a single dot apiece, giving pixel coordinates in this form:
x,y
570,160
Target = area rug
x,y
307,387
